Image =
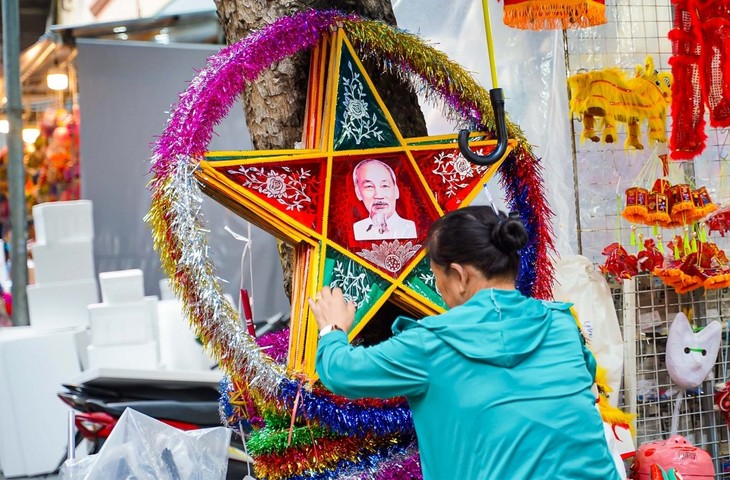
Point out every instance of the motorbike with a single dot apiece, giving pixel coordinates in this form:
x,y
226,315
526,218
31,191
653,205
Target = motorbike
x,y
97,410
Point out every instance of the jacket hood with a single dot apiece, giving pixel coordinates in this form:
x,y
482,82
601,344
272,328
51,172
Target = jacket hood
x,y
499,327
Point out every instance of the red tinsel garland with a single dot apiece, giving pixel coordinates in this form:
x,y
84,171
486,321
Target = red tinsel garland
x,y
701,69
521,176
712,19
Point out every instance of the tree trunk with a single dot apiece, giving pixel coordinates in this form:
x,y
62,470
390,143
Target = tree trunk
x,y
274,104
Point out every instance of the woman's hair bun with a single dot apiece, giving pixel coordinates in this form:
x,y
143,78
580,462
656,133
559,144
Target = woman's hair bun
x,y
509,234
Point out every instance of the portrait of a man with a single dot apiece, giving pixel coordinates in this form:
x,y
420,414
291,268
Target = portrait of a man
x,y
377,188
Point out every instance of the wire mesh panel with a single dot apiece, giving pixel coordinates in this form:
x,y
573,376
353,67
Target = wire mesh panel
x,y
652,394
635,29
646,307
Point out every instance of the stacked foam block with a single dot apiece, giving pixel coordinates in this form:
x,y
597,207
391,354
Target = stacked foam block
x,y
124,326
179,348
63,257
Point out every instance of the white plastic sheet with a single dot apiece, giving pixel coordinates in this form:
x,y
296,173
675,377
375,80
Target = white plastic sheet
x,y
531,72
578,281
142,448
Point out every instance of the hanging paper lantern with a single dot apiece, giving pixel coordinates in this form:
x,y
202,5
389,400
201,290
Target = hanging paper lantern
x,y
658,208
554,14
661,185
703,265
678,280
637,201
702,203
682,203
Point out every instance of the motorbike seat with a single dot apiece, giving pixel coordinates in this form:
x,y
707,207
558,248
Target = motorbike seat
x,y
203,414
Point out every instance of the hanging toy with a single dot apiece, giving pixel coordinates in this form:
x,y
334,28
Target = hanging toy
x,y
703,205
637,205
690,357
610,94
658,473
649,257
719,221
665,205
619,263
675,456
681,203
701,68
722,400
659,204
554,14
706,267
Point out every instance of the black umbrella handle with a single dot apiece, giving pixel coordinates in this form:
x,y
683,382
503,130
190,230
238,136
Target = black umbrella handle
x,y
500,120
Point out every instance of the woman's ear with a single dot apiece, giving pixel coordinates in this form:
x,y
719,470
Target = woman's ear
x,y
460,275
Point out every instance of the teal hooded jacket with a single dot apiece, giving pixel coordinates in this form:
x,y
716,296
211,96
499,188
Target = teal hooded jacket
x,y
499,388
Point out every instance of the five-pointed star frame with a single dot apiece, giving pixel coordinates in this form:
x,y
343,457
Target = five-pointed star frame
x,y
307,197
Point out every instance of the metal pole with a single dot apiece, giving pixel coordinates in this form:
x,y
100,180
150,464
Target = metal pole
x,y
16,169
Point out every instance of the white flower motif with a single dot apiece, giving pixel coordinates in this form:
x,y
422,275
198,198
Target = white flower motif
x,y
357,123
428,278
275,185
454,170
462,167
357,109
289,187
353,281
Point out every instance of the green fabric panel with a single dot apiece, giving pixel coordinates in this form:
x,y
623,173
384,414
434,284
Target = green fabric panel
x,y
359,121
357,282
422,281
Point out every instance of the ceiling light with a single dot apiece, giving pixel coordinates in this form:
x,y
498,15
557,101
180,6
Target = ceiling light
x,y
57,79
30,134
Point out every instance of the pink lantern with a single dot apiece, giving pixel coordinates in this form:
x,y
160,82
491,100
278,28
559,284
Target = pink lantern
x,y
691,462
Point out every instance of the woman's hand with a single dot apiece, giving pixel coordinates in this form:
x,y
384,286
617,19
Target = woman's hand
x,y
331,308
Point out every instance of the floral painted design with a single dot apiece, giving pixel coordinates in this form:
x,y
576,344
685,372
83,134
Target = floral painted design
x,y
288,186
429,279
357,123
390,255
455,171
353,280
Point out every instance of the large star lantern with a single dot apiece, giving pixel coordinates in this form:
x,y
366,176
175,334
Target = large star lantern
x,y
357,200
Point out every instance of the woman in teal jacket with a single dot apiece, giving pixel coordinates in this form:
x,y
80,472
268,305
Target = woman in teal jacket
x,y
499,385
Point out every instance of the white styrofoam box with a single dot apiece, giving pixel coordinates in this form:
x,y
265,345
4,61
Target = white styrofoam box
x,y
122,286
120,323
61,304
58,262
33,365
63,221
178,348
142,356
82,337
151,301
166,292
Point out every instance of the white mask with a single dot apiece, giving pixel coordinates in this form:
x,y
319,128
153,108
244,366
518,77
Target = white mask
x,y
690,355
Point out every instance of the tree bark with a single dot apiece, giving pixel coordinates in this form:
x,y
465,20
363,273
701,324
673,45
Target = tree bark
x,y
274,104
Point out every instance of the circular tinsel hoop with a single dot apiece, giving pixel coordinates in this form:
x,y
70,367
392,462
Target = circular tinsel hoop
x,y
178,229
